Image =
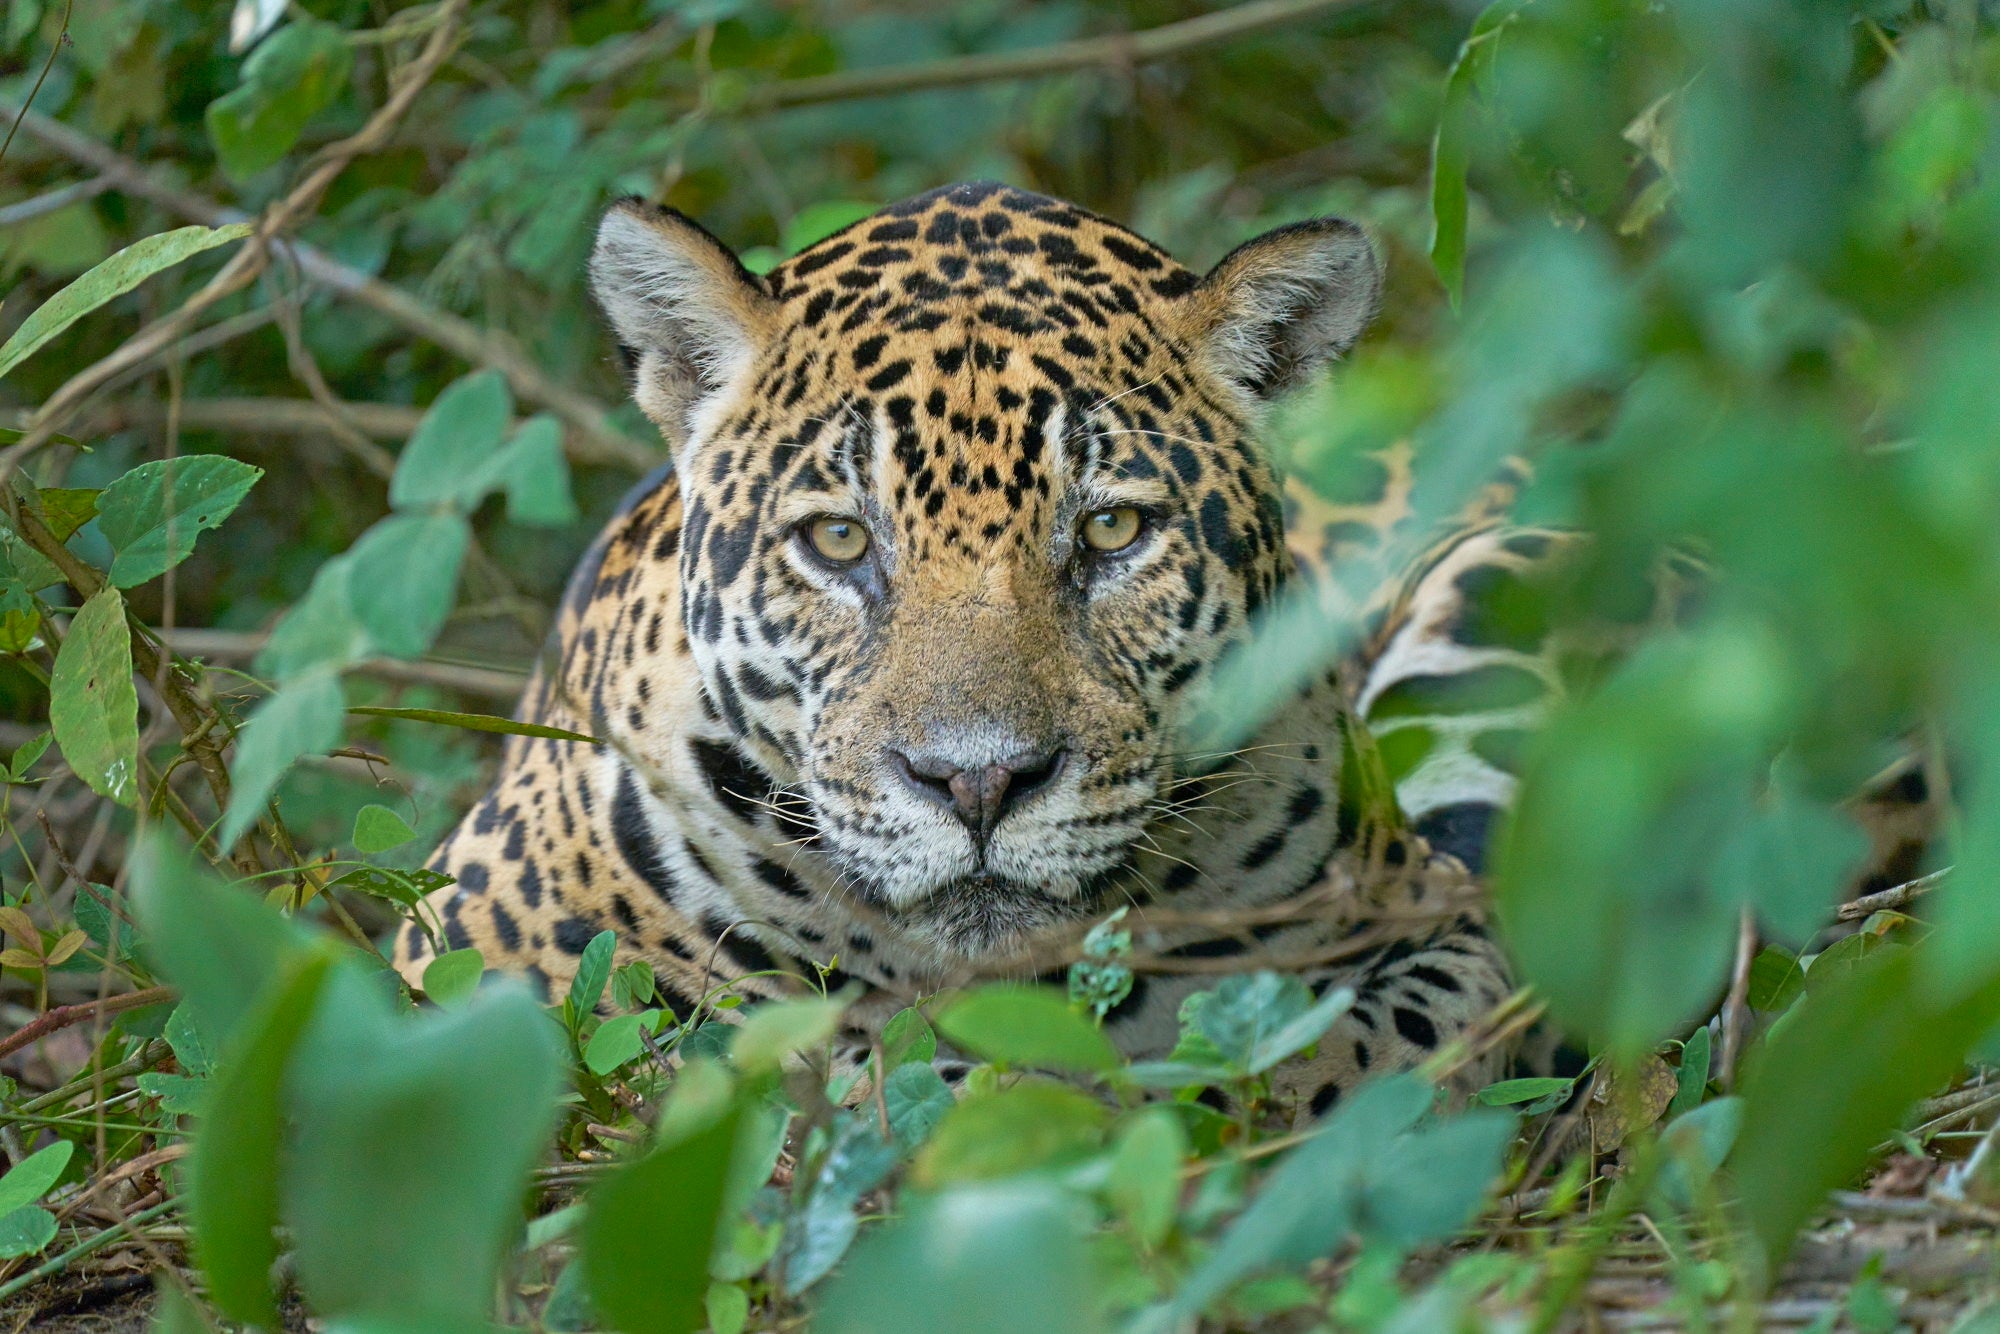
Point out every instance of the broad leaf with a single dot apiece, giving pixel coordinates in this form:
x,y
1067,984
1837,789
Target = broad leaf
x,y
1026,1026
30,1179
93,705
378,829
109,280
153,513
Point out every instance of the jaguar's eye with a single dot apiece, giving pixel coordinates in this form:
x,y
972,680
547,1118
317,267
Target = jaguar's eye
x,y
842,541
1112,529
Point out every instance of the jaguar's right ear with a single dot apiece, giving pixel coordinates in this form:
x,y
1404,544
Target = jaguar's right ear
x,y
689,315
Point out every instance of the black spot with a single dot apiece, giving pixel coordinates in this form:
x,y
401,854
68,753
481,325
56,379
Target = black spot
x,y
573,933
1323,1101
634,837
1415,1027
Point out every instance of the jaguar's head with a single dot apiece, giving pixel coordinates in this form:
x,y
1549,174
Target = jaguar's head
x,y
973,508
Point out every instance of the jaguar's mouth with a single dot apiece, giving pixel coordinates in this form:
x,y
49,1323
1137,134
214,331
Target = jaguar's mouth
x,y
982,915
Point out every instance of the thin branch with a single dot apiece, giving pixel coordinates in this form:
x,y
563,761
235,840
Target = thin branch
x,y
254,256
1896,896
241,646
591,437
27,210
1114,51
63,1016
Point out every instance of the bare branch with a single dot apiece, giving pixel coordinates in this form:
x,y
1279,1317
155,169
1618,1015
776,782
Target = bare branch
x,y
1115,51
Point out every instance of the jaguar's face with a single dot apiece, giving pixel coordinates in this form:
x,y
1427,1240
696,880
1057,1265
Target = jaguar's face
x,y
973,510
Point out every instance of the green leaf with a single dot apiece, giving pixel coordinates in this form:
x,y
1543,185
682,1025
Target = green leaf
x,y
416,1135
1369,1168
1028,1125
1451,148
152,515
452,977
916,1098
474,722
675,1192
537,475
290,78
234,1204
303,718
1512,1092
1789,860
26,1231
110,280
1031,1026
1144,1183
65,509
615,1042
1009,1257
1850,1060
728,1308
776,1029
1691,1081
111,936
907,1037
1257,1021
221,946
451,456
178,1095
93,705
404,577
30,1179
593,970
378,829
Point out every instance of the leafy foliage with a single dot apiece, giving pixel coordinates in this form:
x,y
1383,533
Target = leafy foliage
x,y
1723,273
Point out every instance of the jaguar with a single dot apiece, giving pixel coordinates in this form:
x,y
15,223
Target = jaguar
x,y
904,670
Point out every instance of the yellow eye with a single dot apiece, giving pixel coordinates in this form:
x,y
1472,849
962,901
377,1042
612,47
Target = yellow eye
x,y
843,541
1113,529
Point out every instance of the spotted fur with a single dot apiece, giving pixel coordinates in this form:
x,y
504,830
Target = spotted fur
x,y
968,375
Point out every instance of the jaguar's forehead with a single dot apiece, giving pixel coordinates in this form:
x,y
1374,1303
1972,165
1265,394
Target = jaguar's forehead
x,y
1011,265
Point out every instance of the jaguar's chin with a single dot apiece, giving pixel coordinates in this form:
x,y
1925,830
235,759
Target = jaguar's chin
x,y
982,916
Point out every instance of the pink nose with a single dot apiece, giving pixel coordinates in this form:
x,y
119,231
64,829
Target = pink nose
x,y
980,795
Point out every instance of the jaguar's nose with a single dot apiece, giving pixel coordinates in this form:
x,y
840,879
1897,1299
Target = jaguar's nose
x,y
979,794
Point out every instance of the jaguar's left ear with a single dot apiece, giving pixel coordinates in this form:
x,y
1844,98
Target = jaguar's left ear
x,y
1279,307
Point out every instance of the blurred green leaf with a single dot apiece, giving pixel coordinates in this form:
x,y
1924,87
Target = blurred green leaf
x,y
450,458
675,1192
303,718
1144,1184
1451,155
452,977
152,515
290,78
776,1029
907,1037
108,281
1026,1125
404,577
93,705
1026,1026
997,1258
235,1167
415,1135
1850,1060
